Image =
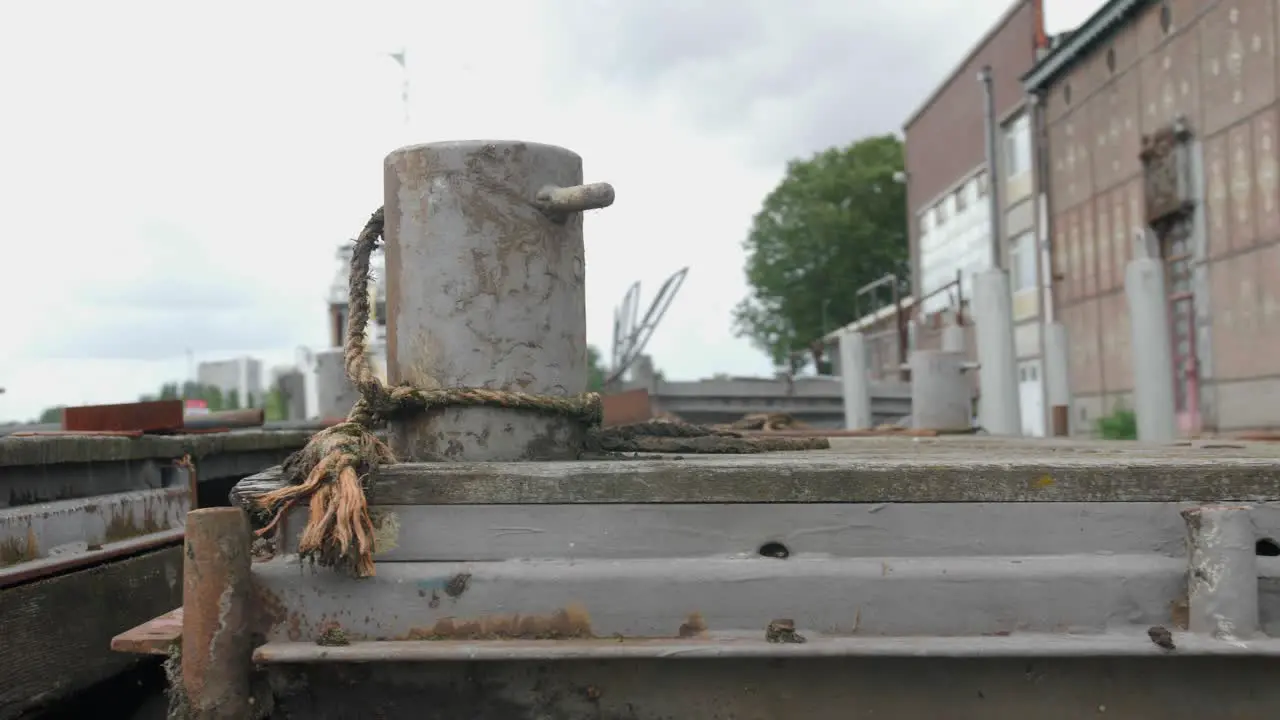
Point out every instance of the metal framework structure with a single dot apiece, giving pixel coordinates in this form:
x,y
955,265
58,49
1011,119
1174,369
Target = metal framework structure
x,y
631,333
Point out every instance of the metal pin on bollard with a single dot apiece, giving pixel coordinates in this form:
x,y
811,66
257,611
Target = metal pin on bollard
x,y
560,202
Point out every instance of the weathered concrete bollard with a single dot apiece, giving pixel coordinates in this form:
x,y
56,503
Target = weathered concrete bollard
x,y
485,289
216,645
854,381
1222,581
941,392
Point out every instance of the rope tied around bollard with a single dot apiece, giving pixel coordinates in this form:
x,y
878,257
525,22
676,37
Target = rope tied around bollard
x,y
332,471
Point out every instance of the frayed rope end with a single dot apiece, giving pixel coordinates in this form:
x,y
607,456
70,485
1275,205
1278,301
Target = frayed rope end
x,y
330,473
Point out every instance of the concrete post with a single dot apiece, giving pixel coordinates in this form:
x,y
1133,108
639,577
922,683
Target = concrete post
x,y
1222,577
1152,350
293,390
999,410
940,391
484,277
217,647
334,392
1057,373
953,338
854,380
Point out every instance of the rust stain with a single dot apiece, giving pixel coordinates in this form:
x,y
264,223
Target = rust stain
x,y
457,585
693,626
267,612
14,551
1180,613
572,622
1043,481
122,526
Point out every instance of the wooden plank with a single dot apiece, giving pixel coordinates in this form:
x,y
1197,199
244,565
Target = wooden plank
x,y
1122,643
860,470
153,637
56,633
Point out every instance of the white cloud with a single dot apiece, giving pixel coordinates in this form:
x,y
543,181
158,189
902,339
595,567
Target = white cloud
x,y
175,177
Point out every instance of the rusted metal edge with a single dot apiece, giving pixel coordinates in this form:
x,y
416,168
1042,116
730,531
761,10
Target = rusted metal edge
x,y
48,567
78,433
153,637
1115,644
155,415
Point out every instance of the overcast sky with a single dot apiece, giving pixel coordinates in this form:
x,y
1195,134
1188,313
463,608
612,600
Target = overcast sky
x,y
175,177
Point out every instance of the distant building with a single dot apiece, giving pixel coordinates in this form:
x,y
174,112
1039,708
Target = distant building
x,y
242,376
949,203
338,293
1160,118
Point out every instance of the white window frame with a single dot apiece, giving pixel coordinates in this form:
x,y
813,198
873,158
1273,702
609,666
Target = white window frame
x,y
1017,148
1023,259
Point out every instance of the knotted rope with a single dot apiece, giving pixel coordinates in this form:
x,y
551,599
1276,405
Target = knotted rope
x,y
332,470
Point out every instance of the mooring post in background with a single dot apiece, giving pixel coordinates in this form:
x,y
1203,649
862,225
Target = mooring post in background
x,y
485,289
854,380
1153,400
1222,576
217,652
1057,373
1000,412
941,391
953,339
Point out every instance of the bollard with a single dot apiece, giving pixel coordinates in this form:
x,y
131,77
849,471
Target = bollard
x,y
1000,411
953,339
941,392
1222,578
855,383
216,647
485,289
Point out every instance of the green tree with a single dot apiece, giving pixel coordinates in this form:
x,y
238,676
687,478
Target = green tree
x,y
52,415
275,406
597,373
836,222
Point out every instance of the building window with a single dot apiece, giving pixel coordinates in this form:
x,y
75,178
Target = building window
x,y
982,184
1017,147
961,199
1166,18
940,212
1111,59
1022,262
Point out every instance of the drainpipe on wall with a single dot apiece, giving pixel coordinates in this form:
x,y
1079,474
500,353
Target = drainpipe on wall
x,y
993,170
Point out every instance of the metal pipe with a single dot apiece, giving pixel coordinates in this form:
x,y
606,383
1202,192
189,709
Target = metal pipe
x,y
993,185
48,567
225,419
217,649
1222,575
485,288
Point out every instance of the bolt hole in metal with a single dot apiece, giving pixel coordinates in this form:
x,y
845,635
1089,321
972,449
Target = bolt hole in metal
x,y
774,550
1266,547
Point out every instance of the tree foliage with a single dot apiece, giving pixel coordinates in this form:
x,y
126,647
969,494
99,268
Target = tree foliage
x,y
836,222
596,371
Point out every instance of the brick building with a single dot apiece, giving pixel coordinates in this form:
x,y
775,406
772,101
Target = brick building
x,y
947,193
1162,115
